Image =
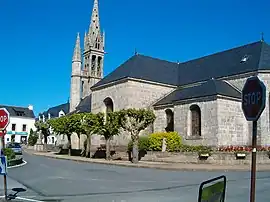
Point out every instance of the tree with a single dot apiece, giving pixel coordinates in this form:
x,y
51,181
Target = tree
x,y
91,125
64,125
134,121
109,127
76,120
33,137
43,127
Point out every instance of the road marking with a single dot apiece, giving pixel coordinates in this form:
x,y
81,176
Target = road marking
x,y
28,199
24,163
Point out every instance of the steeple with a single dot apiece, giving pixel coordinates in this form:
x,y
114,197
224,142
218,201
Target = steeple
x,y
77,50
94,27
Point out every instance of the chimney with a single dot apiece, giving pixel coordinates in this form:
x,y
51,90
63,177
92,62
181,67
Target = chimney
x,y
30,107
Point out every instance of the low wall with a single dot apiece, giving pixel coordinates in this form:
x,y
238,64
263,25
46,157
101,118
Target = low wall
x,y
224,158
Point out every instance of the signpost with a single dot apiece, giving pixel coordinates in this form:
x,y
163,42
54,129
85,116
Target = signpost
x,y
4,121
253,104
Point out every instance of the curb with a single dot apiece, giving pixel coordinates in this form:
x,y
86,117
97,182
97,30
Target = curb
x,y
156,166
20,165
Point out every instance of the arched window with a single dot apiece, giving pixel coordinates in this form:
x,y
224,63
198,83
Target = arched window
x,y
195,120
169,120
109,104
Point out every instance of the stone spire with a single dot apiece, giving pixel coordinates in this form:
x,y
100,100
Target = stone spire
x,y
94,24
77,50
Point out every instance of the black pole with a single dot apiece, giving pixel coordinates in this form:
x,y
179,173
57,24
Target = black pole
x,y
5,177
253,162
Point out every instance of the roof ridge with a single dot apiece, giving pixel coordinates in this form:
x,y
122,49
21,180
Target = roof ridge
x,y
155,58
3,106
222,51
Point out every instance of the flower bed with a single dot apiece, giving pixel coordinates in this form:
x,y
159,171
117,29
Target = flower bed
x,y
15,161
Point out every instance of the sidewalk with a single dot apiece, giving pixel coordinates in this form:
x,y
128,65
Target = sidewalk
x,y
154,165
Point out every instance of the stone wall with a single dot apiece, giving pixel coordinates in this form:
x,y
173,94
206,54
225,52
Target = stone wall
x,y
161,119
225,158
209,123
128,94
233,128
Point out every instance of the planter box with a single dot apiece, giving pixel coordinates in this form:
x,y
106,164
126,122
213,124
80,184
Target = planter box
x,y
14,162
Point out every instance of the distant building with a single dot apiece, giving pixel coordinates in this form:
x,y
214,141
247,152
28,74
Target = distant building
x,y
22,120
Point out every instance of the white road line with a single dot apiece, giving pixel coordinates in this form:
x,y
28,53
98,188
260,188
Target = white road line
x,y
28,199
24,163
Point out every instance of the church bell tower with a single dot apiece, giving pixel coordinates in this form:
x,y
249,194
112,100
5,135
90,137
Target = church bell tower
x,y
87,69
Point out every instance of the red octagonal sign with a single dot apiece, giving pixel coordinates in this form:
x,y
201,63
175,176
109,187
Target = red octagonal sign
x,y
253,98
4,118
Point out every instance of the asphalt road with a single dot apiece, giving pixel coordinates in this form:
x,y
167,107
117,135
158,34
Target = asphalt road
x,y
69,181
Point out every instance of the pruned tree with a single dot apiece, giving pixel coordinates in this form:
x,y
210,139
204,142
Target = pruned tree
x,y
91,125
64,125
77,125
134,121
109,127
43,127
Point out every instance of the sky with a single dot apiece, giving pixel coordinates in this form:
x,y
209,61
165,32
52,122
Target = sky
x,y
37,38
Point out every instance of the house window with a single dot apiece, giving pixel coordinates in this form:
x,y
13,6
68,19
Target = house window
x,y
24,127
195,120
52,140
13,127
169,120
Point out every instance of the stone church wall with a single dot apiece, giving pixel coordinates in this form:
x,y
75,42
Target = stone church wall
x,y
129,94
233,129
209,121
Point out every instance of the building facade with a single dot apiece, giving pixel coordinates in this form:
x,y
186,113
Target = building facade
x,y
200,99
22,120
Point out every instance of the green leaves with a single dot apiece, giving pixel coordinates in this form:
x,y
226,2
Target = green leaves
x,y
136,120
43,127
110,124
91,123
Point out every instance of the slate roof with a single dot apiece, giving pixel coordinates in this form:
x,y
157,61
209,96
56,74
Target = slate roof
x,y
54,111
226,63
222,64
84,105
19,111
146,68
209,88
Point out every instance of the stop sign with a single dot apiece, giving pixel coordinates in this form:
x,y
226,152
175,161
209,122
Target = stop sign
x,y
4,118
253,98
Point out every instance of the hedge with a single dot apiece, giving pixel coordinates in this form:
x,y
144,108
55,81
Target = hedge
x,y
173,141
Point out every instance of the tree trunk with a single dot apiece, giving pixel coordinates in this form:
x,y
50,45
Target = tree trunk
x,y
69,145
79,141
135,153
108,149
88,147
45,142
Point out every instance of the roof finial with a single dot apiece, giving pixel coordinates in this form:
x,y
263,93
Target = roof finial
x,y
262,39
135,52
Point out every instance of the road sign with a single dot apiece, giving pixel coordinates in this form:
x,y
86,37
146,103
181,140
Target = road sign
x,y
253,98
4,118
3,165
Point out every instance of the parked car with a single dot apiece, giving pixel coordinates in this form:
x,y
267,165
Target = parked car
x,y
16,147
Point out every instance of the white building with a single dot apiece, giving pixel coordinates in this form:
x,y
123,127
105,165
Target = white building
x,y
22,120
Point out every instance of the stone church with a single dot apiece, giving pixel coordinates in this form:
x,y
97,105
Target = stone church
x,y
200,99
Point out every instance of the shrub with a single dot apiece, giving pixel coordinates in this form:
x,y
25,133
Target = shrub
x,y
196,148
33,137
173,141
143,144
9,153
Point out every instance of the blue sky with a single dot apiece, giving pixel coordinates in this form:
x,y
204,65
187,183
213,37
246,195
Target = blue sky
x,y
37,38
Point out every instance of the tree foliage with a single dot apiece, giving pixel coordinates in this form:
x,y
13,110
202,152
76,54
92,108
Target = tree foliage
x,y
33,137
134,121
109,126
91,124
44,128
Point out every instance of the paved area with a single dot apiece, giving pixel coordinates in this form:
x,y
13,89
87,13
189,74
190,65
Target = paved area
x,y
48,179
